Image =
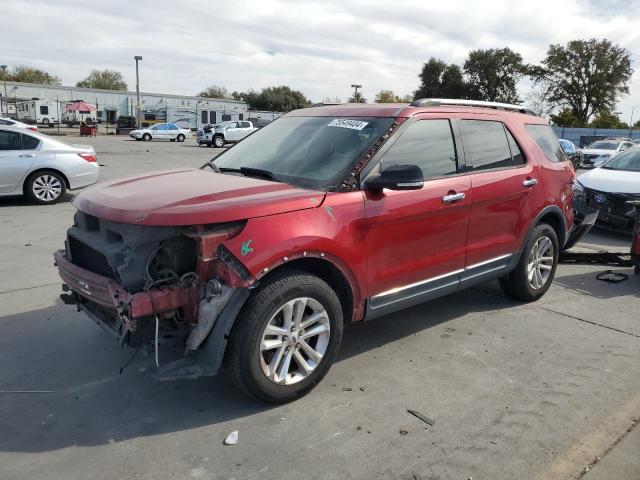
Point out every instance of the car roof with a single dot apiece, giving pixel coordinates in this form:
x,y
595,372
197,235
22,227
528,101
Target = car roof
x,y
405,110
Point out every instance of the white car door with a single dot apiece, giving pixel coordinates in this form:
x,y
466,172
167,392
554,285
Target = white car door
x,y
15,161
233,132
172,131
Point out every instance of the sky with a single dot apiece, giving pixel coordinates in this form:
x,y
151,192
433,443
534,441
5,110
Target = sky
x,y
318,47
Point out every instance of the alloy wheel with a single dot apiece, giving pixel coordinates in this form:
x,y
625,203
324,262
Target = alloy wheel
x,y
294,341
47,188
541,259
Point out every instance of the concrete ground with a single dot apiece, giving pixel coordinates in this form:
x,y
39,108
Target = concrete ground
x,y
549,390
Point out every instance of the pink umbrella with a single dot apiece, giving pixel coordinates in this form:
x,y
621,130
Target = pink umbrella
x,y
79,107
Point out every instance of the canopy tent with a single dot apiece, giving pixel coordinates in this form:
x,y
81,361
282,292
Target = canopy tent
x,y
81,107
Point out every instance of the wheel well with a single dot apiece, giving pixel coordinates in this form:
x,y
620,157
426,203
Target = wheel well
x,y
330,274
554,221
66,180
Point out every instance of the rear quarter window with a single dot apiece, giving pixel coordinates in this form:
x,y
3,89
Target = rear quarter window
x,y
547,141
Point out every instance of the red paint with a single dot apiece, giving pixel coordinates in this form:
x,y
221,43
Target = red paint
x,y
378,241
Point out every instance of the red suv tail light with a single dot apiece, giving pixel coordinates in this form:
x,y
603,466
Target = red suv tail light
x,y
88,157
33,129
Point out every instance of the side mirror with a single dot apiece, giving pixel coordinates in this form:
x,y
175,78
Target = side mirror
x,y
396,177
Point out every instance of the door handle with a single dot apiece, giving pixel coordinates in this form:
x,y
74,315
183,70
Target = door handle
x,y
530,182
27,155
453,197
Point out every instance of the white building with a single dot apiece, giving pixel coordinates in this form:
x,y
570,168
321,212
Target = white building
x,y
113,103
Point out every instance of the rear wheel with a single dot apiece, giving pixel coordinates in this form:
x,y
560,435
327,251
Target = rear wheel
x,y
286,338
45,187
218,141
536,268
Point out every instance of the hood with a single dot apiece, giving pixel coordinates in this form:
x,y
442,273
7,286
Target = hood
x,y
192,197
595,151
611,181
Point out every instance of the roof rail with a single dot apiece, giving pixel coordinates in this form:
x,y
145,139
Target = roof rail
x,y
434,102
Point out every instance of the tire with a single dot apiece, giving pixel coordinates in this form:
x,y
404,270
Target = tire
x,y
45,121
517,284
218,141
247,364
37,191
146,137
180,138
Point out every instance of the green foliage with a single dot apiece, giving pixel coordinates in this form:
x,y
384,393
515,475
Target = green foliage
x,y
387,96
277,99
492,75
360,99
105,79
22,73
607,120
566,118
440,80
216,91
587,76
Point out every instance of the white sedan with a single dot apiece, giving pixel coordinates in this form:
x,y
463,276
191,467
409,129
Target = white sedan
x,y
10,122
161,131
42,168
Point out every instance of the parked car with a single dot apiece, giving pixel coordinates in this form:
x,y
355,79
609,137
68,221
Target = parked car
x,y
9,122
42,168
607,188
257,260
161,131
226,132
126,122
574,153
602,150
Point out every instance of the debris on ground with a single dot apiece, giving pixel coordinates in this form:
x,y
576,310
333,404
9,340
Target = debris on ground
x,y
403,432
347,389
422,417
362,389
232,438
612,277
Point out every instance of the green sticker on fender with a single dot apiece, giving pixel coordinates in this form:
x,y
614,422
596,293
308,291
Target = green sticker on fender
x,y
246,248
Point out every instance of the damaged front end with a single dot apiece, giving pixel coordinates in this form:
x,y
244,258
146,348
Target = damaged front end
x,y
162,288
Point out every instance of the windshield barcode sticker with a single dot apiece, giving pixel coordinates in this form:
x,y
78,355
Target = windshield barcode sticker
x,y
346,123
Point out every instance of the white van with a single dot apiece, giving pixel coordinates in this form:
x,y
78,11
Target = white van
x,y
40,112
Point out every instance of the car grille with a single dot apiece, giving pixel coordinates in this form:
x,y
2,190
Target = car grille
x,y
612,204
88,258
589,157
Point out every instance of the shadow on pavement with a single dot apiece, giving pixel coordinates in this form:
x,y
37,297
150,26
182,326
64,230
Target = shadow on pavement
x,y
91,404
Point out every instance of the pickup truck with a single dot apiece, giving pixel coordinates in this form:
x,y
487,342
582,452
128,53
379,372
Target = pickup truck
x,y
226,132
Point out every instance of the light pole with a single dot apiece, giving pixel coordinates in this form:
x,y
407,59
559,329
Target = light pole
x,y
138,58
6,99
631,119
355,87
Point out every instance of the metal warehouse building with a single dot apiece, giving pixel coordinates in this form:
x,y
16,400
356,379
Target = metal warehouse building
x,y
113,103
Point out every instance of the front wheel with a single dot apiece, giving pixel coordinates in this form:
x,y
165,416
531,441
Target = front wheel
x,y
536,268
146,137
286,337
218,141
180,138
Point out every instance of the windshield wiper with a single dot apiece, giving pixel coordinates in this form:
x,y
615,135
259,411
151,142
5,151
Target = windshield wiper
x,y
253,172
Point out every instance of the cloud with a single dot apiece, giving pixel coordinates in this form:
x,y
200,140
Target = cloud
x,y
317,46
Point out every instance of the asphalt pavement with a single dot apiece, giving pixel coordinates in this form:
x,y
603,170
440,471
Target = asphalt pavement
x,y
547,390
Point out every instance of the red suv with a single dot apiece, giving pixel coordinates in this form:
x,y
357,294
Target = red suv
x,y
327,216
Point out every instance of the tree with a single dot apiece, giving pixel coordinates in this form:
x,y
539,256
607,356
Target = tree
x,y
440,80
566,118
360,99
387,96
105,79
216,91
278,99
607,120
536,99
492,75
22,73
587,76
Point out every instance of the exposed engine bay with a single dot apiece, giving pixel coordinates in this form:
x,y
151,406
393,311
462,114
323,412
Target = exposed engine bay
x,y
154,286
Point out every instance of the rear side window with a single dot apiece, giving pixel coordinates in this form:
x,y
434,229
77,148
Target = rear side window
x,y
428,144
29,142
44,110
10,140
547,141
490,145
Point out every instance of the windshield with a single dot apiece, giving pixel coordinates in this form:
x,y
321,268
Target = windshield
x,y
602,145
314,152
628,161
